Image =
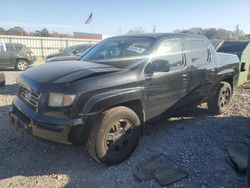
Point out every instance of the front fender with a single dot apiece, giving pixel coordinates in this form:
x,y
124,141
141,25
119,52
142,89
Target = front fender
x,y
102,101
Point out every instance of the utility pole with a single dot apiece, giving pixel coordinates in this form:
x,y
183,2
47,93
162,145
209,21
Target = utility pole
x,y
154,29
237,29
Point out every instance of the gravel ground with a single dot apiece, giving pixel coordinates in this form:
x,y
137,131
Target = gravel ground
x,y
194,140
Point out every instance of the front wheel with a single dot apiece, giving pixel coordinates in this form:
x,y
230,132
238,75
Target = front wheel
x,y
22,65
219,104
114,136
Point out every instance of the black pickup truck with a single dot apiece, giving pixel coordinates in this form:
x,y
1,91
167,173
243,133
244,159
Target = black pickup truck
x,y
105,99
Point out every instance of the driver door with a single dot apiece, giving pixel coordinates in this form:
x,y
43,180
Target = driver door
x,y
164,89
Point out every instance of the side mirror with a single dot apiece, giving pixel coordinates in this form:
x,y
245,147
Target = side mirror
x,y
243,67
159,65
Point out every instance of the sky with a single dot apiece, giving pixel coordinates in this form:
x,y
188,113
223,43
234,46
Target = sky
x,y
117,17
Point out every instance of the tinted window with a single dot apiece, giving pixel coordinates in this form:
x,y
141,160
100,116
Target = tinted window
x,y
67,50
171,50
233,47
18,48
10,48
81,49
1,47
119,48
197,51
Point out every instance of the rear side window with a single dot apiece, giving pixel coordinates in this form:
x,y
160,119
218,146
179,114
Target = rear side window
x,y
18,48
197,50
171,50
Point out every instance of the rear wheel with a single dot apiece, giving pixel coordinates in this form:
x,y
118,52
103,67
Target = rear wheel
x,y
115,136
219,104
22,65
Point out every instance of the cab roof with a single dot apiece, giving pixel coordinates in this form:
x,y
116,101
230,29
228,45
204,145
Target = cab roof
x,y
163,35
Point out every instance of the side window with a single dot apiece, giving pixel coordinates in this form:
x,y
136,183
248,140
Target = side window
x,y
1,47
197,51
171,50
18,48
9,48
79,49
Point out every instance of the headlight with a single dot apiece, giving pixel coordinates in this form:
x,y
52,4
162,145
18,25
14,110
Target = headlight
x,y
60,100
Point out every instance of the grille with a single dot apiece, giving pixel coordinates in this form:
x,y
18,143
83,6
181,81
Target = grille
x,y
30,96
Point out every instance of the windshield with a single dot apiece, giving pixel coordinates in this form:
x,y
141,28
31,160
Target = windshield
x,y
119,48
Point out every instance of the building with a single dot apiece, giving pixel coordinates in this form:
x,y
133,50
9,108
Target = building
x,y
87,35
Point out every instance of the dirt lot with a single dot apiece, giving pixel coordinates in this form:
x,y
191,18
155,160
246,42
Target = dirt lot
x,y
193,140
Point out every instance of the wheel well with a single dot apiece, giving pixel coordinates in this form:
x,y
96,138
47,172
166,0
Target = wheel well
x,y
22,59
228,80
79,134
134,105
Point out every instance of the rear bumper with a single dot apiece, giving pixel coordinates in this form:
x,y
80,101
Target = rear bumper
x,y
49,128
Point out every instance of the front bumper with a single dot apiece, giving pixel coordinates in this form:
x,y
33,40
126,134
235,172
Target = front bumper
x,y
39,125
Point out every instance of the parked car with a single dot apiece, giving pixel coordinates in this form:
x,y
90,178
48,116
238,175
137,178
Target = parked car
x,y
16,55
242,50
73,51
2,79
71,57
105,99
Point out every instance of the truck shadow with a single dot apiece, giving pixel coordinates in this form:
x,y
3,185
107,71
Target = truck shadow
x,y
24,155
154,126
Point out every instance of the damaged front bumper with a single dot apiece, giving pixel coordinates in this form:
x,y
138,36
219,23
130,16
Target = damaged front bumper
x,y
39,125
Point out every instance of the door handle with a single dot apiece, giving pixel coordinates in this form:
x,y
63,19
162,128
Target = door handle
x,y
184,77
212,71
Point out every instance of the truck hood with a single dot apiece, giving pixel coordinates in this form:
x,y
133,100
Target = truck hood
x,y
54,55
63,58
58,74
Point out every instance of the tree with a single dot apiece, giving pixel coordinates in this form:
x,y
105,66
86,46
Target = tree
x,y
20,31
213,33
43,33
2,31
136,30
11,31
16,31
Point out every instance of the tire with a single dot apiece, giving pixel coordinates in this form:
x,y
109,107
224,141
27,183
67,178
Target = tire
x,y
22,65
219,104
114,136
